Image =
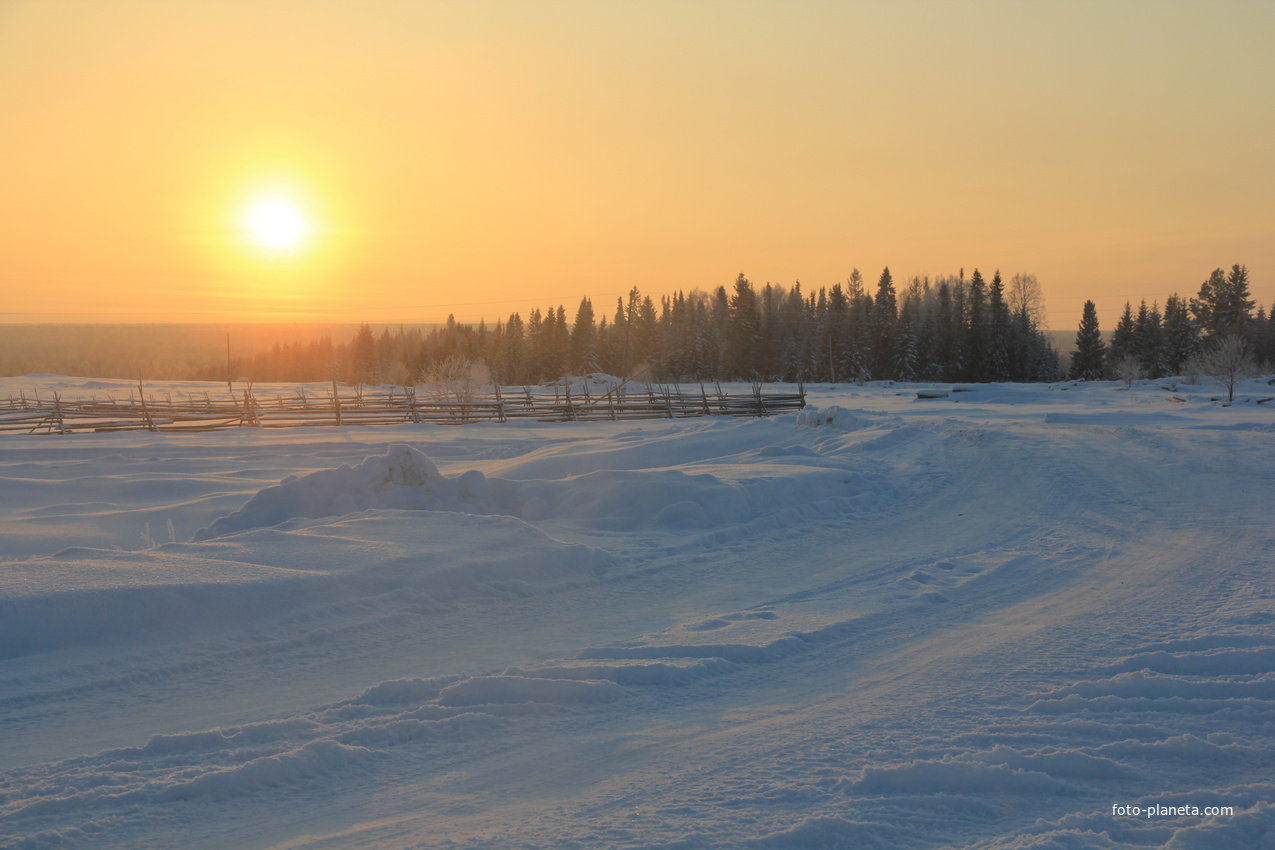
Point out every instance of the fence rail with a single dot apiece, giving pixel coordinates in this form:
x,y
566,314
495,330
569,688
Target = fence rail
x,y
343,406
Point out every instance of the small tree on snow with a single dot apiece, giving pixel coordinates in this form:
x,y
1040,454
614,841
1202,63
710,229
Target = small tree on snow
x,y
1227,362
455,378
1128,369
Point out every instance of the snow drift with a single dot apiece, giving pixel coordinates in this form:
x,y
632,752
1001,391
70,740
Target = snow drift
x,y
404,478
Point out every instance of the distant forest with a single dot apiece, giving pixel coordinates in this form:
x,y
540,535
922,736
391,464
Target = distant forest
x,y
1153,343
951,329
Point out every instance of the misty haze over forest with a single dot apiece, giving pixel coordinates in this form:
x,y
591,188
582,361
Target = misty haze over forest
x,y
948,329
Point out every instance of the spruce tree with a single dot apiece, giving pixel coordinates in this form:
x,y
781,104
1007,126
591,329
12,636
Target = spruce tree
x,y
1149,340
551,354
533,365
1087,361
606,347
885,315
1233,308
646,338
679,337
838,335
719,314
998,331
584,340
1204,305
947,345
859,365
1182,342
620,340
818,364
363,355
512,352
976,329
903,364
1121,339
796,334
703,363
1263,333
1024,356
744,333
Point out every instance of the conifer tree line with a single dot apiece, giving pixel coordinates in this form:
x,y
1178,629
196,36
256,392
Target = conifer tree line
x,y
1153,342
953,328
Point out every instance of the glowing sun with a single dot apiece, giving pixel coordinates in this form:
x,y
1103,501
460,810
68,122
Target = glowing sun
x,y
276,224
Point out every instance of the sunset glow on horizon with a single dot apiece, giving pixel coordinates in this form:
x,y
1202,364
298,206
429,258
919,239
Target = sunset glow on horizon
x,y
480,159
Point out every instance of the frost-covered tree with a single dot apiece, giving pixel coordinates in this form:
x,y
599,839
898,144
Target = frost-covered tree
x,y
1227,362
1128,369
903,364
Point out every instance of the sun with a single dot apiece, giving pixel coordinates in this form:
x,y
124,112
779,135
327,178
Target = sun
x,y
277,224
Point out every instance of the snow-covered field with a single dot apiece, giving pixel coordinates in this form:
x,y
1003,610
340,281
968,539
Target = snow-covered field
x,y
975,621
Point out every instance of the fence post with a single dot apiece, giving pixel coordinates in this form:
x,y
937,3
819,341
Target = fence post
x,y
146,414
57,414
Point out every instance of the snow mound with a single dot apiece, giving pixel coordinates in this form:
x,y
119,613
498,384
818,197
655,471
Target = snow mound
x,y
836,417
485,690
404,478
401,478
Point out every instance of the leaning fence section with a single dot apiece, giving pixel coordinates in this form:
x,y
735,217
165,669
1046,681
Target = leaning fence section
x,y
148,410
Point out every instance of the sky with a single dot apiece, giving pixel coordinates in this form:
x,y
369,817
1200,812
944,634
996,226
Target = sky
x,y
481,158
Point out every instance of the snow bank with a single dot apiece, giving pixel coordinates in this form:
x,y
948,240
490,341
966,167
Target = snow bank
x,y
404,478
482,690
401,478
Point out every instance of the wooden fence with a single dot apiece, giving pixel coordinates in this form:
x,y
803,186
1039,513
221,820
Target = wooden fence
x,y
346,406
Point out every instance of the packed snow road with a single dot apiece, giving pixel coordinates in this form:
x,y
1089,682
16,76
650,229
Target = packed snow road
x,y
1016,617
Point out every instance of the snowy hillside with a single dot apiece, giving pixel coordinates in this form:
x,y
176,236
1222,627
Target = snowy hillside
x,y
1003,618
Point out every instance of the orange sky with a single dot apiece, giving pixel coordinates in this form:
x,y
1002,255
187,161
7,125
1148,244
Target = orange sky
x,y
484,157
